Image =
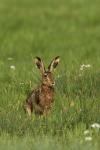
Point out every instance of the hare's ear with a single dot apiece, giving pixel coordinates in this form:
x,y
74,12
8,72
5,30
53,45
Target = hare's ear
x,y
39,64
53,64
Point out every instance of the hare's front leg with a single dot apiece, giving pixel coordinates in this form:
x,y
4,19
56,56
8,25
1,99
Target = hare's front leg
x,y
28,108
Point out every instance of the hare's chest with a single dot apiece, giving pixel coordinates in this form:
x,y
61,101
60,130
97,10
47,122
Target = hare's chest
x,y
46,98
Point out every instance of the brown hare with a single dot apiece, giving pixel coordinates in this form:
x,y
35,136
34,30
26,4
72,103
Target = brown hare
x,y
40,100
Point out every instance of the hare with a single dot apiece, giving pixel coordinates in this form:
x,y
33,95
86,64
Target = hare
x,y
40,100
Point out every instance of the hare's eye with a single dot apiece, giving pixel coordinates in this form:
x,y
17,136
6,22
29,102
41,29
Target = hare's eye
x,y
45,75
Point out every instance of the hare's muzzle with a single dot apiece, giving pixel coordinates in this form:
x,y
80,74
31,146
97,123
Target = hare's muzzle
x,y
53,83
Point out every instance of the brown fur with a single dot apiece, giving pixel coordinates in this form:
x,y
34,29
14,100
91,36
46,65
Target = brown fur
x,y
40,100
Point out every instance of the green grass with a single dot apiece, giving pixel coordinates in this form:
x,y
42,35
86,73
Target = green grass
x,y
48,28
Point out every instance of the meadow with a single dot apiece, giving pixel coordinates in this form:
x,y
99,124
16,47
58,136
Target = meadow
x,y
48,28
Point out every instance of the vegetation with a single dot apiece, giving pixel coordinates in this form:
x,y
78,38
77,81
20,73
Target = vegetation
x,y
48,28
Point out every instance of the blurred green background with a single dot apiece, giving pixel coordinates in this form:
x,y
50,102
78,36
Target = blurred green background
x,y
48,28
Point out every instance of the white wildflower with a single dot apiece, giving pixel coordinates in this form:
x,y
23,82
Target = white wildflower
x,y
88,66
21,83
85,66
88,138
95,125
86,132
10,58
12,67
82,65
81,68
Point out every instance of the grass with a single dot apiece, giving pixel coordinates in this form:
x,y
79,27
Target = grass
x,y
47,28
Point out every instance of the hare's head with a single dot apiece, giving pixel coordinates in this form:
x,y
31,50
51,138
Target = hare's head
x,y
47,75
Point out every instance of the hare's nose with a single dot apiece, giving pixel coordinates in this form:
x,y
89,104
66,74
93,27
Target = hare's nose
x,y
53,83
